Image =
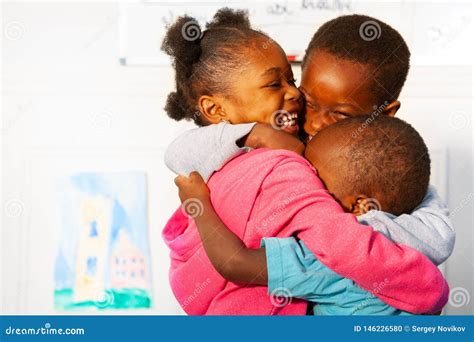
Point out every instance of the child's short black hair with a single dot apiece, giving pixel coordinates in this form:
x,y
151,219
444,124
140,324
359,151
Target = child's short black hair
x,y
203,60
368,41
385,156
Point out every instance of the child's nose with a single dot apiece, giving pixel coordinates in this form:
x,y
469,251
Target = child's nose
x,y
316,124
292,94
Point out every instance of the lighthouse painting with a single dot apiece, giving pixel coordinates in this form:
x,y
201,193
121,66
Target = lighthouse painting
x,y
103,257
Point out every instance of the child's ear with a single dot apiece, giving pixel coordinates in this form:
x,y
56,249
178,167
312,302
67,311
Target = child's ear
x,y
363,204
211,109
392,108
349,204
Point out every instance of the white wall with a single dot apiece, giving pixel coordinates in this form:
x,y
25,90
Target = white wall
x,y
68,106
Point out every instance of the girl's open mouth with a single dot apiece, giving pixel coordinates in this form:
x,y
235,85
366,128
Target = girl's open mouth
x,y
286,121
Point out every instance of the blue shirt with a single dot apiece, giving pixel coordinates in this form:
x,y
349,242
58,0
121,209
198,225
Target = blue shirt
x,y
294,271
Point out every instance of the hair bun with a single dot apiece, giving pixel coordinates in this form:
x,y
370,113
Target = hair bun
x,y
174,106
182,42
227,17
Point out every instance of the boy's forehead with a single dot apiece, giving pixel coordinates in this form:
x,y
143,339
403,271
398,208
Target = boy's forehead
x,y
340,80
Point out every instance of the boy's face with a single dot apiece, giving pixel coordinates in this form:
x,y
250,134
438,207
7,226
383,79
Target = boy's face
x,y
334,89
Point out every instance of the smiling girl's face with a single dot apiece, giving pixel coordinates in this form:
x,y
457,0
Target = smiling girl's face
x,y
263,90
334,89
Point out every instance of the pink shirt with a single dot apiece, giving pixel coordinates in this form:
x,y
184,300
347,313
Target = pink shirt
x,y
267,193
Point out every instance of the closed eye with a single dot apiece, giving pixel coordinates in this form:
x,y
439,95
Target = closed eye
x,y
291,82
274,85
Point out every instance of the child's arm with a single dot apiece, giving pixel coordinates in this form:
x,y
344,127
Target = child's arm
x,y
427,229
352,250
293,271
226,251
291,266
360,253
207,149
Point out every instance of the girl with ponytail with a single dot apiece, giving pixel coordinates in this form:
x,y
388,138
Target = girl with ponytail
x,y
229,73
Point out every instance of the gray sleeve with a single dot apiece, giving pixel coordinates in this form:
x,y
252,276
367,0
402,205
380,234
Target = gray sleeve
x,y
206,149
427,229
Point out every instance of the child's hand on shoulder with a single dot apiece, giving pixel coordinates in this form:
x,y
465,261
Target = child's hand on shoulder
x,y
264,135
192,187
